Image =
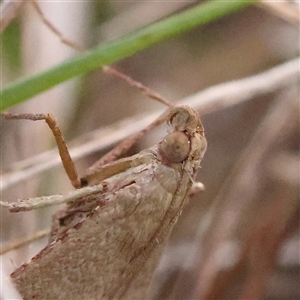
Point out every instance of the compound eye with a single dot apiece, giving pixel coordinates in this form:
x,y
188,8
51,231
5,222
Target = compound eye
x,y
175,147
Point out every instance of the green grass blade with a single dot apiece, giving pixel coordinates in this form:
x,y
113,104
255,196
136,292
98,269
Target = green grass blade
x,y
112,51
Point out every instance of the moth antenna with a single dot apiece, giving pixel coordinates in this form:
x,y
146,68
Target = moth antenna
x,y
55,30
109,70
146,90
126,144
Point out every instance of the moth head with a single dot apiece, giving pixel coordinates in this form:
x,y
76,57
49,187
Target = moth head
x,y
183,118
186,139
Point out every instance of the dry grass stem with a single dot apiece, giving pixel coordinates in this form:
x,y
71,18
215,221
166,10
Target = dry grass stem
x,y
15,244
287,10
241,235
234,92
207,101
236,200
239,239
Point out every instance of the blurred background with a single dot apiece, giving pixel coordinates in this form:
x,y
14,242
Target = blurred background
x,y
239,239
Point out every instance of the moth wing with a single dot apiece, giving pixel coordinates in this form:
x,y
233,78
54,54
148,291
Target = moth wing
x,y
115,250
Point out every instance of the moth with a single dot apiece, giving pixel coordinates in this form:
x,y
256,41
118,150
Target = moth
x,y
107,241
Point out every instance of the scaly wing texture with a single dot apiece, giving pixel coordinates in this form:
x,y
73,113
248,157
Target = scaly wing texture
x,y
117,246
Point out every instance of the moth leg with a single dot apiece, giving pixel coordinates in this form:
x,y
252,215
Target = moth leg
x,y
61,144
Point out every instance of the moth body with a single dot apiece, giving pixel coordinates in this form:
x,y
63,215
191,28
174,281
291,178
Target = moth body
x,y
106,244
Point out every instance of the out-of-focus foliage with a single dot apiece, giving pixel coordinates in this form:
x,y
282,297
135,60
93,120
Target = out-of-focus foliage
x,y
11,43
240,238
